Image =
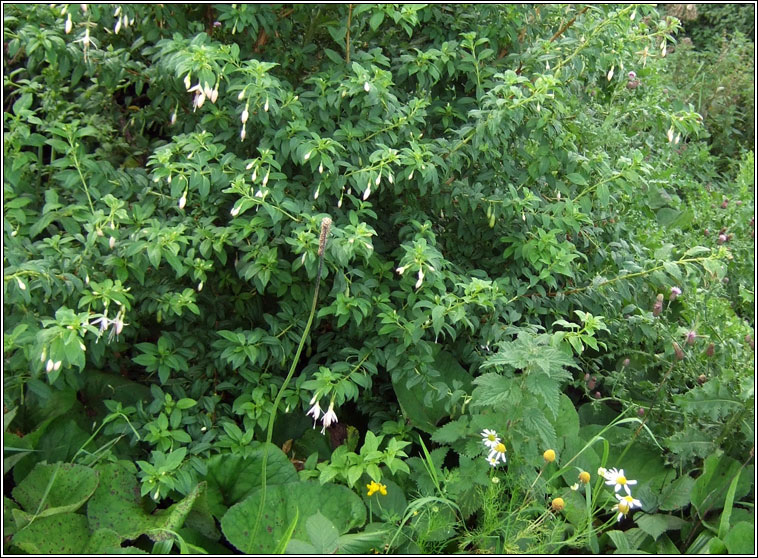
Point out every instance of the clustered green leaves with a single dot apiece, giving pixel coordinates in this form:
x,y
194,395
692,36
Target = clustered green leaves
x,y
505,208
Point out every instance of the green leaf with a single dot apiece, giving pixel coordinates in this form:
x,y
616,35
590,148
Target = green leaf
x,y
577,179
117,505
322,533
741,538
58,488
711,487
677,494
338,503
376,19
536,421
712,400
619,540
64,533
231,477
657,524
452,431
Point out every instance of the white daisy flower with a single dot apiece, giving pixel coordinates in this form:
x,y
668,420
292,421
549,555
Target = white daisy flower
x,y
618,480
490,438
492,461
497,452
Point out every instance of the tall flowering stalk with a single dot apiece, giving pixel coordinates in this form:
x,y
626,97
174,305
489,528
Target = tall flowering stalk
x,y
326,225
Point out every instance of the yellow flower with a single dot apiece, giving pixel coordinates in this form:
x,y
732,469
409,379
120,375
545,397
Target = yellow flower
x,y
376,487
558,504
549,455
584,476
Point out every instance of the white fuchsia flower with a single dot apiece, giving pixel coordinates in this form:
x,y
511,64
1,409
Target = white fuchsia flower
x,y
329,417
314,411
618,480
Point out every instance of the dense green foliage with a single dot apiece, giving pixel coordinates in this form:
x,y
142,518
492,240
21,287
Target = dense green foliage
x,y
541,226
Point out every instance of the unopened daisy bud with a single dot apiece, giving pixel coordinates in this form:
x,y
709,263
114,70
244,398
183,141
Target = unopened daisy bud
x,y
265,107
366,87
187,83
50,365
558,504
265,178
112,243
21,284
549,455
69,26
584,477
245,115
183,200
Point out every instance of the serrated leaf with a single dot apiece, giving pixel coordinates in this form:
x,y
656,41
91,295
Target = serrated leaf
x,y
712,400
536,421
452,431
495,390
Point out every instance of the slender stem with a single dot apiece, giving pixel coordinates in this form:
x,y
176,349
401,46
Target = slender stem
x,y
325,225
347,34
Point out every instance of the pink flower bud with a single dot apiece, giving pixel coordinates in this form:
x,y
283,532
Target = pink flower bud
x,y
625,363
691,338
722,238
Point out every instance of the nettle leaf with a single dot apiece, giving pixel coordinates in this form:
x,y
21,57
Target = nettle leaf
x,y
452,431
537,422
530,352
495,390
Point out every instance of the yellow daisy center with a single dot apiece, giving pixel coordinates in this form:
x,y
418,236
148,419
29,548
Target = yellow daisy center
x,y
491,437
584,476
500,448
623,506
621,479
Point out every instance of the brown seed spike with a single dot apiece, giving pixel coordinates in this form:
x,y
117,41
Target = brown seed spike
x,y
326,225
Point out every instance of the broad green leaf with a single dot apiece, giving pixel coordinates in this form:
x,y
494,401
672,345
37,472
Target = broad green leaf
x,y
677,494
337,503
231,478
56,488
741,538
64,533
